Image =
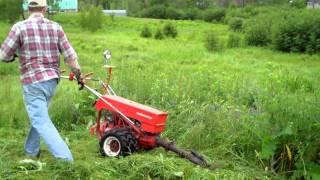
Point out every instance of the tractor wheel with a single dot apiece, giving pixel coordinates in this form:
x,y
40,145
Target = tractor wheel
x,y
118,142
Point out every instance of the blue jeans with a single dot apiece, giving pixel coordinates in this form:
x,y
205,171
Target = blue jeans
x,y
36,98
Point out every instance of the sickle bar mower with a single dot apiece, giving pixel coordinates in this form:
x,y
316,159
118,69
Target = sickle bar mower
x,y
124,126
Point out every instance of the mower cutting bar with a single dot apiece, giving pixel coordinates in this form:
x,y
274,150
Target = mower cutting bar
x,y
191,156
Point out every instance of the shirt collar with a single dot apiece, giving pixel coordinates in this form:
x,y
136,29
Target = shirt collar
x,y
34,15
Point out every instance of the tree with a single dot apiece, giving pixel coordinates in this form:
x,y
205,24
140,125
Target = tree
x,y
10,10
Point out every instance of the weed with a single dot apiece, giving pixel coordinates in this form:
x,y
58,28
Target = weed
x,y
146,32
159,35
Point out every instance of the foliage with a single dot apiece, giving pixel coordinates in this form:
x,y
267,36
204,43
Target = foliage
x,y
158,11
92,19
54,5
235,24
10,10
159,34
173,13
191,14
296,34
211,41
169,30
146,32
252,110
298,3
258,30
234,41
214,15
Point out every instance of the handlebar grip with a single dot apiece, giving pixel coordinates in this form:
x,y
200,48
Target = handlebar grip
x,y
71,76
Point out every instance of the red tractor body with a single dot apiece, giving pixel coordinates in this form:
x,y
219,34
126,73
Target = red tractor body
x,y
145,123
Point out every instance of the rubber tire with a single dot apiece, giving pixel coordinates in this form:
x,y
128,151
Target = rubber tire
x,y
127,141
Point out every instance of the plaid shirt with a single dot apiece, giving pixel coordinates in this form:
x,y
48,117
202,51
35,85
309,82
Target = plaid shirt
x,y
39,42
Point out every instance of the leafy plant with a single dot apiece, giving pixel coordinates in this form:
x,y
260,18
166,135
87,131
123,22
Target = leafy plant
x,y
10,10
146,32
236,24
191,14
211,41
234,40
258,34
173,13
214,15
295,34
170,30
159,35
298,3
91,19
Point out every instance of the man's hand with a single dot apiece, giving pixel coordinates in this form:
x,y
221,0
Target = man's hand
x,y
79,77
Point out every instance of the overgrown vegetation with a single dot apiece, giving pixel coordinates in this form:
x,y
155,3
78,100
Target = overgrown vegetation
x,y
146,32
92,19
252,110
169,30
211,42
299,32
288,31
10,10
236,24
159,34
214,15
234,41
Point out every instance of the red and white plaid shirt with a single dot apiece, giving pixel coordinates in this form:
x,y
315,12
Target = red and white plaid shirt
x,y
39,42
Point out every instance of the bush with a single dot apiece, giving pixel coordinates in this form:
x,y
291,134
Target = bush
x,y
158,12
214,15
158,35
211,42
146,32
234,40
173,13
3,10
191,14
235,24
162,12
298,3
295,34
258,29
169,30
92,19
251,11
10,10
257,35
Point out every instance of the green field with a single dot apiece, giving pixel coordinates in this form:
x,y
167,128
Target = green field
x,y
237,107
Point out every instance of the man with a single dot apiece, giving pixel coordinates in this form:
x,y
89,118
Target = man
x,y
39,43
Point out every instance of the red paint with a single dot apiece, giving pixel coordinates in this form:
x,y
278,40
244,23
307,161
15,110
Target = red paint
x,y
149,122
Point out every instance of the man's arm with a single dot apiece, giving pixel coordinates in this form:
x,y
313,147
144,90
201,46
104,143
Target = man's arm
x,y
10,45
70,56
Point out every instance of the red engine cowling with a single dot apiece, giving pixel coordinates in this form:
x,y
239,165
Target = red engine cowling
x,y
148,122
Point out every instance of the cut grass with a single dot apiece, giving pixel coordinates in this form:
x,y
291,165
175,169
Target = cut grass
x,y
217,102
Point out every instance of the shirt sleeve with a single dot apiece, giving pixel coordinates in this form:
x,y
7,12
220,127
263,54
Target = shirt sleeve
x,y
11,44
65,47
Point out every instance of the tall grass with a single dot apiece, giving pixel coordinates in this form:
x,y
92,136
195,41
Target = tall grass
x,y
242,108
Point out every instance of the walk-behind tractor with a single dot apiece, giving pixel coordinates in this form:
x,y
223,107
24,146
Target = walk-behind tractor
x,y
124,127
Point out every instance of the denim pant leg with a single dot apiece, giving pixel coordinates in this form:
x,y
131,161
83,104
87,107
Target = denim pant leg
x,y
32,145
37,97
